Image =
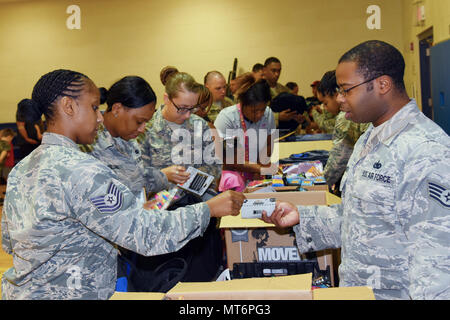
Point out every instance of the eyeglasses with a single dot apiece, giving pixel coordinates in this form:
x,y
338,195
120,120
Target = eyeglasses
x,y
344,92
184,110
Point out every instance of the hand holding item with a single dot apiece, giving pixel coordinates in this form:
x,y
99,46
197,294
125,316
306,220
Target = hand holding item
x,y
176,174
286,115
226,203
285,215
150,204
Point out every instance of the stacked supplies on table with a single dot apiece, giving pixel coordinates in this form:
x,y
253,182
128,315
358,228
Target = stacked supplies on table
x,y
303,174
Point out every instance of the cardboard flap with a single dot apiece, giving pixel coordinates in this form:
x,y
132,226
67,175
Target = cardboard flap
x,y
236,222
137,296
344,293
332,199
296,286
295,282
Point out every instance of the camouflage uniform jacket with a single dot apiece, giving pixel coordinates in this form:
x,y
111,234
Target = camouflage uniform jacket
x,y
191,145
345,135
125,159
325,120
64,210
393,224
216,108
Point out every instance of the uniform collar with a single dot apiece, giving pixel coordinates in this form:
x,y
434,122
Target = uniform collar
x,y
406,115
386,132
51,138
158,122
104,138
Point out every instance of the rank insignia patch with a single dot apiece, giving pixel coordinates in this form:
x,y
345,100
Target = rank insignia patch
x,y
109,203
377,165
439,193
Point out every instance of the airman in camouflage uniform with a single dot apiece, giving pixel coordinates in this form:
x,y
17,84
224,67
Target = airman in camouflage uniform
x,y
159,140
345,135
62,244
125,159
393,224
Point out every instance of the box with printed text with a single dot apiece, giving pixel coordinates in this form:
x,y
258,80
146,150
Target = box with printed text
x,y
253,240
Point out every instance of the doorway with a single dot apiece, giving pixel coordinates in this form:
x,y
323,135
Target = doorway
x,y
425,44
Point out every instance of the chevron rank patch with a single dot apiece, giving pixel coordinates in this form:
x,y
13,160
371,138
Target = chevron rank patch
x,y
109,203
439,193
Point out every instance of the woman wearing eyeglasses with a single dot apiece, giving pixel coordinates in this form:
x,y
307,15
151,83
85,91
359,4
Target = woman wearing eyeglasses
x,y
175,135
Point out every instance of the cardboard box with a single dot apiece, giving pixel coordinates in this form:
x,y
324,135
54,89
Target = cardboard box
x,y
344,293
297,287
253,240
137,296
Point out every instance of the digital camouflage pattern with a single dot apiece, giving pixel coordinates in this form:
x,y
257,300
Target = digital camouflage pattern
x,y
216,108
325,120
345,135
125,159
64,212
393,224
191,145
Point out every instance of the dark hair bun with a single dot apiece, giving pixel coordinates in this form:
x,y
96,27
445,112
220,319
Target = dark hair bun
x,y
130,91
103,94
29,110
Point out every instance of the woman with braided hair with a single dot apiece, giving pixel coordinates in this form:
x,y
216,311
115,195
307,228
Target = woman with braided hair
x,y
65,211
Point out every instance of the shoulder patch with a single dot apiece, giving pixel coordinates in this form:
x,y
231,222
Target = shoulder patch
x,y
111,202
439,193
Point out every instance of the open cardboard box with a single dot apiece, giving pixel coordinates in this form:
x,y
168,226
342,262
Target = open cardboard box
x,y
137,296
295,287
253,240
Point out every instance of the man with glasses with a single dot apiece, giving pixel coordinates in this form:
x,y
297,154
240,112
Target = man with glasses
x,y
393,224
